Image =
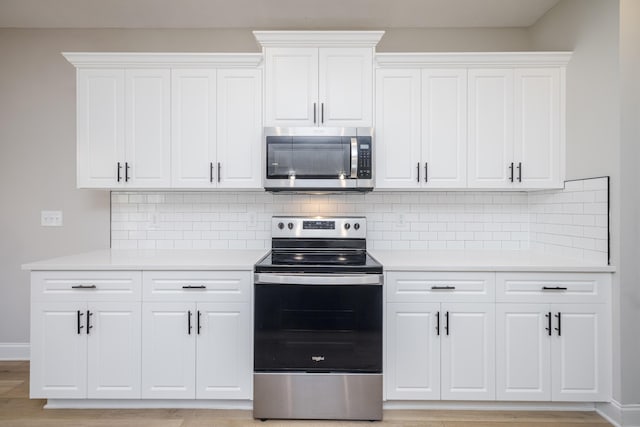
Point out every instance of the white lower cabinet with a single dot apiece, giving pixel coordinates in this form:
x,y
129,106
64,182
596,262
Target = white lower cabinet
x,y
196,350
552,352
440,351
85,350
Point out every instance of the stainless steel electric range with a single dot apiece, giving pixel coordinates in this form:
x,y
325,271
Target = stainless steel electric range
x,y
318,322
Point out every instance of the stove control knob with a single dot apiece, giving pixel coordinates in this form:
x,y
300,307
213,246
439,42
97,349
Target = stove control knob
x,y
290,226
347,226
280,225
356,226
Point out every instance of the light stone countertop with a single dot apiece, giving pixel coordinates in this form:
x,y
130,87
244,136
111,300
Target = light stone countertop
x,y
161,259
244,259
482,260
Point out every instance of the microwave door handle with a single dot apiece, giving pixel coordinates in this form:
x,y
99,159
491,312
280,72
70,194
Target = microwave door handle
x,y
354,158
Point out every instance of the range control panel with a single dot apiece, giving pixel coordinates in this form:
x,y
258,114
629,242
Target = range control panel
x,y
319,227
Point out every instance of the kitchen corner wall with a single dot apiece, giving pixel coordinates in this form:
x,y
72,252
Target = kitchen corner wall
x,y
571,222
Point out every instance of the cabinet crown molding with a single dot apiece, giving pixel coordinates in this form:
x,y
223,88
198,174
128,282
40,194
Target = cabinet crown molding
x,y
318,38
472,59
162,59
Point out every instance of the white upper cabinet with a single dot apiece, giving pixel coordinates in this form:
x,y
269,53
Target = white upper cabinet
x,y
538,127
292,87
486,120
217,128
123,128
315,78
516,128
239,128
421,136
491,128
397,141
193,131
155,120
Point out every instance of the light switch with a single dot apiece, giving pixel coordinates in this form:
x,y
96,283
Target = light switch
x,y
51,218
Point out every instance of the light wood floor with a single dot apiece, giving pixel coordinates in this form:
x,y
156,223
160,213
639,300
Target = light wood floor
x,y
17,410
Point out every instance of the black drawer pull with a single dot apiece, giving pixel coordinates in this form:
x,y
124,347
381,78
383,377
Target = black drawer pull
x,y
443,288
554,288
194,287
84,287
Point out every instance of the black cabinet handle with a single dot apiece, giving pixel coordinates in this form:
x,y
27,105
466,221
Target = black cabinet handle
x,y
511,169
559,328
438,323
89,327
211,172
446,325
199,326
126,171
418,168
79,321
119,168
443,288
322,113
548,328
219,167
519,171
314,112
554,288
426,172
194,287
84,287
189,322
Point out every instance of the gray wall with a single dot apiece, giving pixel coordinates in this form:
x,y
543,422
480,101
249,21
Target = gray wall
x,y
590,28
630,201
37,136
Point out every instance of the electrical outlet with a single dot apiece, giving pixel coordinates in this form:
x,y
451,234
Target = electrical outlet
x,y
401,223
51,218
252,219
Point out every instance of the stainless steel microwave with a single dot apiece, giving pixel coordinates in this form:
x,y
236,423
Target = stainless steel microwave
x,y
318,159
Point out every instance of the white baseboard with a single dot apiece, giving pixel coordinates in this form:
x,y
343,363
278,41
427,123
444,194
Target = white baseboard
x,y
620,415
147,404
488,405
14,351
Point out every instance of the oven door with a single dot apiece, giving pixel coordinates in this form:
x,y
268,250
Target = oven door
x,y
318,328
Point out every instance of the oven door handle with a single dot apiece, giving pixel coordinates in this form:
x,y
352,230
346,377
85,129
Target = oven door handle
x,y
308,279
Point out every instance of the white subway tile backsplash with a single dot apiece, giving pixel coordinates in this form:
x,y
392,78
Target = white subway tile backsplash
x,y
570,221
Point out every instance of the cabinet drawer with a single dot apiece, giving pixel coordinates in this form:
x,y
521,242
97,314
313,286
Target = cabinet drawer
x,y
553,287
196,286
440,286
86,285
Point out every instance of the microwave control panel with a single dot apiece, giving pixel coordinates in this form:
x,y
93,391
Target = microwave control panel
x,y
364,157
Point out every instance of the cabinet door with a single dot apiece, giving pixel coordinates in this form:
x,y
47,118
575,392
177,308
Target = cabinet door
x,y
148,151
468,352
346,87
580,363
523,352
168,351
490,121
537,137
100,127
58,350
114,347
412,365
239,128
397,149
193,128
444,128
224,351
292,86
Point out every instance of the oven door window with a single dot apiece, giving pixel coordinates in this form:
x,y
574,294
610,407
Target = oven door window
x,y
318,328
313,157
